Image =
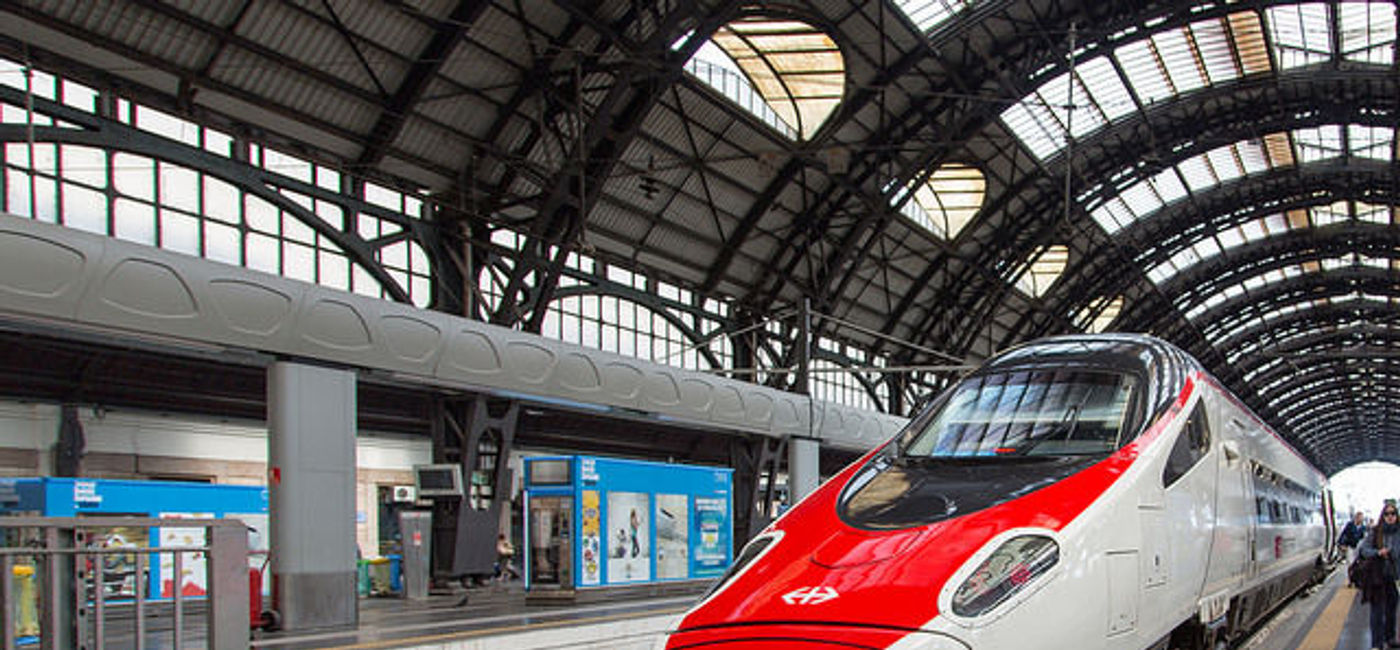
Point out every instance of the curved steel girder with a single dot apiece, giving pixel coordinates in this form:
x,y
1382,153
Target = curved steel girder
x,y
1175,228
1347,440
1207,118
986,63
1347,418
1310,369
1303,328
1311,286
1208,277
1343,452
1348,313
100,132
1331,409
616,119
420,75
1325,415
195,78
1178,226
1324,399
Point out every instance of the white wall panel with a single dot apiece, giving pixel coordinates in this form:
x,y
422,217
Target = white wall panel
x,y
25,425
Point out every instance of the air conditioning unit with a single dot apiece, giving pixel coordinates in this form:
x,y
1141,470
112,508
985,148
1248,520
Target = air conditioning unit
x,y
404,494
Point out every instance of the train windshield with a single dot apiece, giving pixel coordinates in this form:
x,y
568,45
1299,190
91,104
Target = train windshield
x,y
1029,412
996,436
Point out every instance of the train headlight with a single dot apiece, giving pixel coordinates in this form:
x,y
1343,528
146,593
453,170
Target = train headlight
x,y
1008,570
750,552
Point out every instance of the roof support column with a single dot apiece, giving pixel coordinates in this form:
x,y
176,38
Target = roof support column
x,y
311,415
804,471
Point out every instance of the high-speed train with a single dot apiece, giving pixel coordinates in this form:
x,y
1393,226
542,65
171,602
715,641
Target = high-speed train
x,y
1094,491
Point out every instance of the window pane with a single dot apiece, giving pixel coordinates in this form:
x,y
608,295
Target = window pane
x,y
84,209
179,232
179,188
135,222
222,243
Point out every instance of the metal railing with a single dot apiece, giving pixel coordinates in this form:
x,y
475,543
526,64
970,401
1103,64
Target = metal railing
x,y
69,588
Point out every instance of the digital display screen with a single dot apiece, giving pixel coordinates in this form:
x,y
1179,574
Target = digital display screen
x,y
549,472
438,480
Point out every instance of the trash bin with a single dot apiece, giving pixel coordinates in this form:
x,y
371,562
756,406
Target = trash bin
x,y
396,573
26,605
379,577
362,577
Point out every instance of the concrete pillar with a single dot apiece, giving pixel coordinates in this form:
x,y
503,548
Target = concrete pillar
x,y
311,494
803,467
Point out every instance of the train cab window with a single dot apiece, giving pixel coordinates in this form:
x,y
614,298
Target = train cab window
x,y
1190,446
1033,412
993,437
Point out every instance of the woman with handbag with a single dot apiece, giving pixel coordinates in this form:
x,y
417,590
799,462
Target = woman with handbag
x,y
1379,553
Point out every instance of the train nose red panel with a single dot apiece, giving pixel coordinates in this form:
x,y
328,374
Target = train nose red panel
x,y
853,548
807,637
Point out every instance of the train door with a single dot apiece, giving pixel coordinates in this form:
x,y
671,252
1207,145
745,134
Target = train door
x,y
1234,520
1188,479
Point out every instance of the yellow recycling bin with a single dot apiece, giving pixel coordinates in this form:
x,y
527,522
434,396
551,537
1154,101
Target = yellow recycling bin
x,y
26,601
379,576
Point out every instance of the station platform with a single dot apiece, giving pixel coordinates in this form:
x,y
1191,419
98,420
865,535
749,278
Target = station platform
x,y
495,616
1328,617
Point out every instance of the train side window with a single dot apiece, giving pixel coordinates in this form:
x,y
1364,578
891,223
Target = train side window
x,y
1190,446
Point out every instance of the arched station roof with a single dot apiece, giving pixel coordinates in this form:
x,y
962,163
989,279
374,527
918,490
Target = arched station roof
x,y
1218,174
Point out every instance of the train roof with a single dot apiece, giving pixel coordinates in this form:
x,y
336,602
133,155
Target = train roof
x,y
1139,353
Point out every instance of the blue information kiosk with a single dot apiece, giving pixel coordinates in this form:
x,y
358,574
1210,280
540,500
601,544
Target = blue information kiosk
x,y
77,497
603,522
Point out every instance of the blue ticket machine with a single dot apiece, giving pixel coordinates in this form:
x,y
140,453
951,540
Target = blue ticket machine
x,y
597,522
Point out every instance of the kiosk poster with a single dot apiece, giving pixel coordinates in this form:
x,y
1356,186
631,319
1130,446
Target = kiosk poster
x,y
672,536
119,572
629,554
191,580
590,530
710,516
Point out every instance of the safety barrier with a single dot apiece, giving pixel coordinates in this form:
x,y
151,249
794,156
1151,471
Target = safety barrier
x,y
54,584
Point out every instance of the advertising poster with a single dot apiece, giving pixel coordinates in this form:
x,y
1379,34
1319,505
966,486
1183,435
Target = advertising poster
x,y
119,577
629,553
590,531
192,580
672,536
710,516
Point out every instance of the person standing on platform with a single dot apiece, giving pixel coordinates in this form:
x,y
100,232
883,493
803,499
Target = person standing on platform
x,y
505,554
1350,539
1383,543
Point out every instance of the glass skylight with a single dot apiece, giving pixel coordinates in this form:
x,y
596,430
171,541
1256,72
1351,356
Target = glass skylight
x,y
1236,323
1160,65
927,14
1263,228
1099,315
797,69
1223,164
948,200
1301,34
1368,32
1046,266
712,66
